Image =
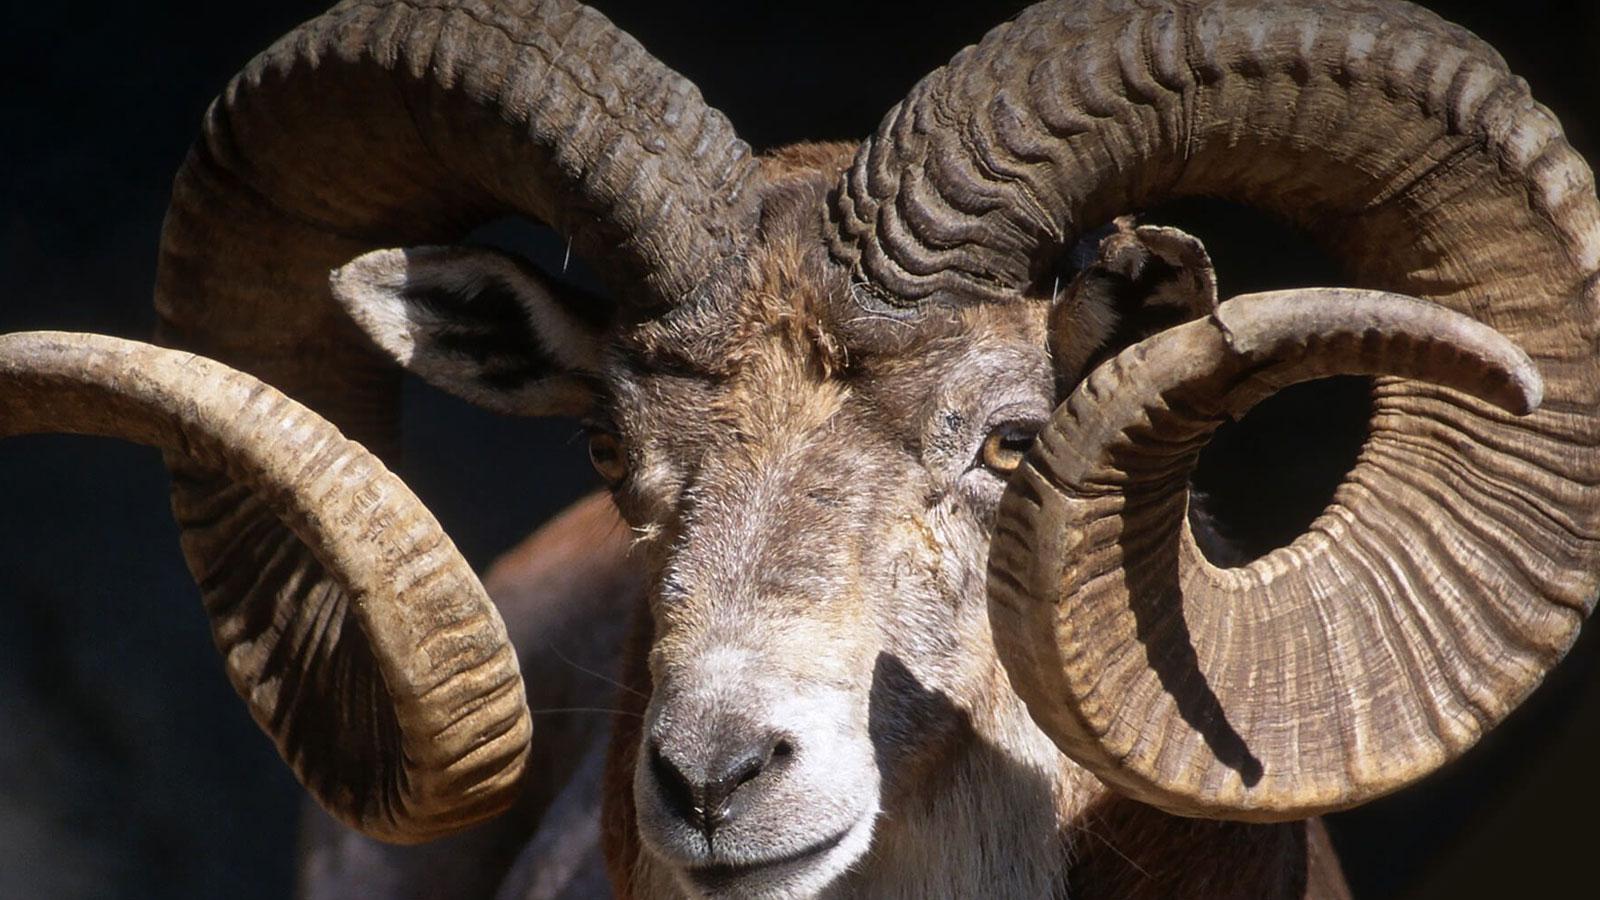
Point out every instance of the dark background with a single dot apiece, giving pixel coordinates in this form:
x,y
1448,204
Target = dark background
x,y
127,767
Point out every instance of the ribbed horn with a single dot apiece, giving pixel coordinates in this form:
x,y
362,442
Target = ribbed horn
x,y
392,123
1463,549
433,733
1197,688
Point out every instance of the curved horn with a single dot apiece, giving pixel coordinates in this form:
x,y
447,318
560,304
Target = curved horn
x,y
1459,557
1148,630
448,719
386,123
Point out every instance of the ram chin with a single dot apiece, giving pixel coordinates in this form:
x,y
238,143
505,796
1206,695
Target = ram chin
x,y
807,872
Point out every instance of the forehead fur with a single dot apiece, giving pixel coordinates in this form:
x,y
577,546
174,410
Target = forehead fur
x,y
777,300
786,320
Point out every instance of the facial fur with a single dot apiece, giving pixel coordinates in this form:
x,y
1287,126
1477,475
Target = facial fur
x,y
814,478
817,516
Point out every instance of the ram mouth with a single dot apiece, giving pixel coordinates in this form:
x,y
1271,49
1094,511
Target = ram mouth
x,y
723,876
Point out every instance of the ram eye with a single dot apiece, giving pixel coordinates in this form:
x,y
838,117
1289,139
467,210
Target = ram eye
x,y
1003,449
605,453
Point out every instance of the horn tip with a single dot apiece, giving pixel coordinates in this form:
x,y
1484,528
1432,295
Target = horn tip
x,y
1523,389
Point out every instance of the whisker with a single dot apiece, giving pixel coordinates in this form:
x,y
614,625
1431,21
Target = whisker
x,y
557,710
1105,841
556,651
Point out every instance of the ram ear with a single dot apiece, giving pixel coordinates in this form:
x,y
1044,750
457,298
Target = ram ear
x,y
1131,282
480,324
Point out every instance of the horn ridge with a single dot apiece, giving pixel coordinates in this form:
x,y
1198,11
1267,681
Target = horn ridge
x,y
433,731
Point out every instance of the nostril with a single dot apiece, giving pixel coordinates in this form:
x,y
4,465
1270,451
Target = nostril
x,y
762,757
706,790
746,771
676,788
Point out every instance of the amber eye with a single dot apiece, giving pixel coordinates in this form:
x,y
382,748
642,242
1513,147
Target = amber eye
x,y
605,452
1004,447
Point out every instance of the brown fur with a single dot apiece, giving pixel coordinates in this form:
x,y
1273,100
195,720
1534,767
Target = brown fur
x,y
619,837
797,349
1130,851
810,511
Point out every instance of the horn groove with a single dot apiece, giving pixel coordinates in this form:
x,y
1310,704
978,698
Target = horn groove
x,y
387,123
1139,656
1403,143
434,735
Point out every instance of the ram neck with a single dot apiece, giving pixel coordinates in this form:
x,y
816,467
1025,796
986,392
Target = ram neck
x,y
1010,816
989,823
1127,850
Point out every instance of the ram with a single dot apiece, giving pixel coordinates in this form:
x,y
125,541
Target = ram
x,y
919,600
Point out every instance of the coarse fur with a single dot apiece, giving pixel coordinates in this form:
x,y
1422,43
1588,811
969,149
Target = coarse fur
x,y
806,480
867,625
950,741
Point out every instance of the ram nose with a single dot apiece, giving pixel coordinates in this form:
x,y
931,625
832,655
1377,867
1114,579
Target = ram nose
x,y
707,783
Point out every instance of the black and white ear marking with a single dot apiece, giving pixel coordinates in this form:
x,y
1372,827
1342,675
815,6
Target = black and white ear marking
x,y
1139,280
477,323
